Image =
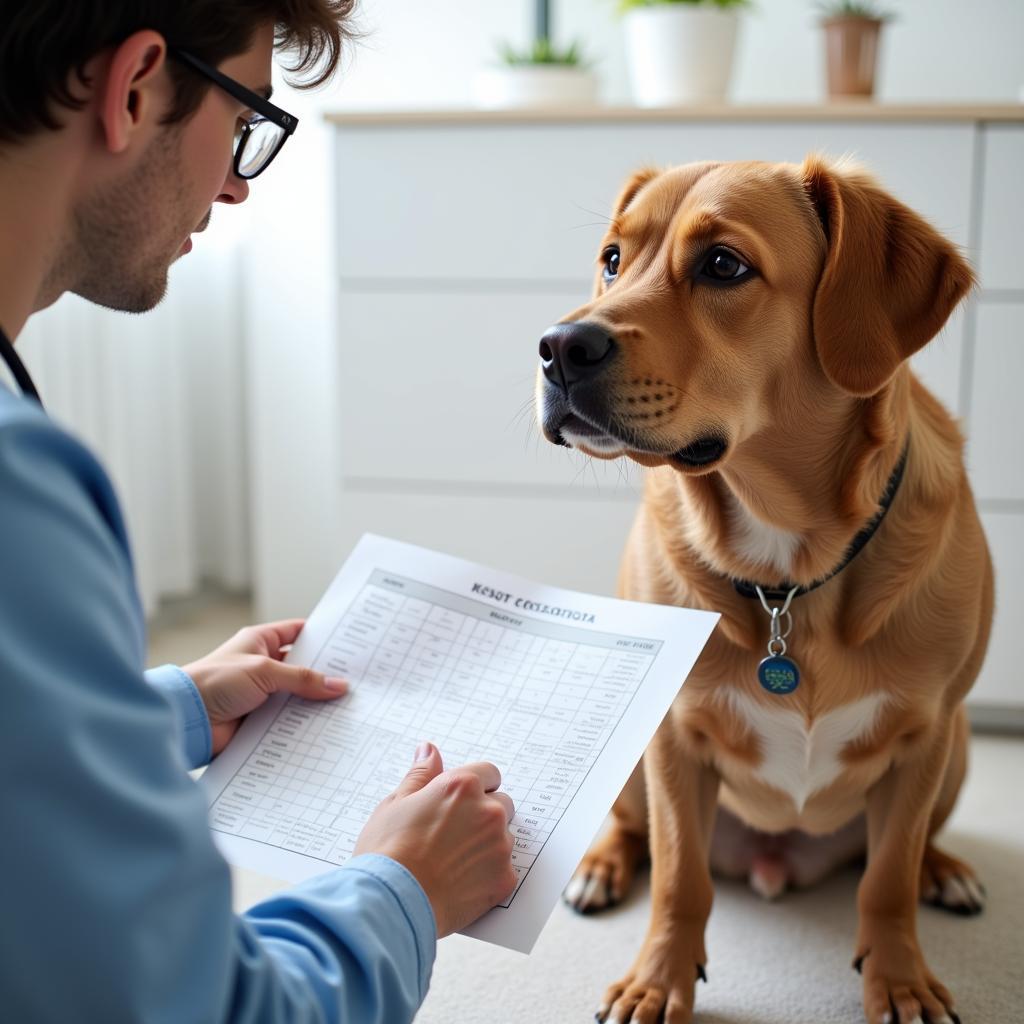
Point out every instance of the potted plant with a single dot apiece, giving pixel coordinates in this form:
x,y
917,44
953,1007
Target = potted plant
x,y
852,31
541,75
680,51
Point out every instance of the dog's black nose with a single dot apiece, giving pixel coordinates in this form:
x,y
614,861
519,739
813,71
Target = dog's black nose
x,y
573,352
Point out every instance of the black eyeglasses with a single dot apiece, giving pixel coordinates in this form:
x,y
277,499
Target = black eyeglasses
x,y
258,140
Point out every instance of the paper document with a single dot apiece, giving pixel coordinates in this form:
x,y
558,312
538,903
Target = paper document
x,y
561,690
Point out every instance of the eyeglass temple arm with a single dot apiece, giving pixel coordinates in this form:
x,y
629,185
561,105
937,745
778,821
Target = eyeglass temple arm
x,y
253,100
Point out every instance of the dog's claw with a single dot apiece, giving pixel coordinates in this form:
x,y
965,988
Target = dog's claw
x,y
949,884
858,963
701,973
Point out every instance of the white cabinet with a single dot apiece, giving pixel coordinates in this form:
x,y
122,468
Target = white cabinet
x,y
995,450
940,363
573,540
1002,208
1001,682
461,237
446,386
526,201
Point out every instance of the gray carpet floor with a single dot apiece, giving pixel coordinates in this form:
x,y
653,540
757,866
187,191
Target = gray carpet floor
x,y
787,961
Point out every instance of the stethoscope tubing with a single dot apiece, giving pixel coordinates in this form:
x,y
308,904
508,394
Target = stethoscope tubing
x,y
17,368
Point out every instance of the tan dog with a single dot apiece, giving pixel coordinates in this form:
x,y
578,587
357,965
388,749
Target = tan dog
x,y
747,342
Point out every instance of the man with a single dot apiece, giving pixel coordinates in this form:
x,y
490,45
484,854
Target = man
x,y
121,123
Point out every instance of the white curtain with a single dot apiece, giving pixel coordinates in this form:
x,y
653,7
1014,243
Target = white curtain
x,y
160,399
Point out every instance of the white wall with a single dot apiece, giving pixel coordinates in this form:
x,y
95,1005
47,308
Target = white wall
x,y
160,399
422,54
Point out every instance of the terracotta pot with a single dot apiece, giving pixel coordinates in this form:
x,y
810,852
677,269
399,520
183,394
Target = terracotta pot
x,y
851,49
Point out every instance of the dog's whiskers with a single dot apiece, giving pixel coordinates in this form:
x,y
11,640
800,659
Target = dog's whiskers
x,y
604,218
517,418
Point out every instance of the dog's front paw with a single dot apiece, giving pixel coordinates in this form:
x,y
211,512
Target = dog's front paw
x,y
658,990
606,872
950,884
898,987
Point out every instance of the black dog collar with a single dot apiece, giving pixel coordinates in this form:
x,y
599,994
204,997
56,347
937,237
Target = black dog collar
x,y
780,592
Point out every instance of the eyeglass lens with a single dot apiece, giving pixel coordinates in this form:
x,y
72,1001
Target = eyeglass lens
x,y
259,145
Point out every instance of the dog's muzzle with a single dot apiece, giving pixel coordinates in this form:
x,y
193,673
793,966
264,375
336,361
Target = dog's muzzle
x,y
574,353
572,357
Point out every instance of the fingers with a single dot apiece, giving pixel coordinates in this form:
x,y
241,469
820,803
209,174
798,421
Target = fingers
x,y
302,681
266,638
427,766
486,772
280,634
506,802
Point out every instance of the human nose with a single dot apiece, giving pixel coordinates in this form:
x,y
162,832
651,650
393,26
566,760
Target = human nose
x,y
234,190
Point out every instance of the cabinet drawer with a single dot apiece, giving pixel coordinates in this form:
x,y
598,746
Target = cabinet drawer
x,y
567,542
995,449
938,364
1001,681
439,387
1002,212
529,201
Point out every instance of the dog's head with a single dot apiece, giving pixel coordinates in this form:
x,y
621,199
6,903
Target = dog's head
x,y
729,294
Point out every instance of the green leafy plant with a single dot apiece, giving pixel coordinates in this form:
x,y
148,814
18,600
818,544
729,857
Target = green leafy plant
x,y
866,9
542,51
629,5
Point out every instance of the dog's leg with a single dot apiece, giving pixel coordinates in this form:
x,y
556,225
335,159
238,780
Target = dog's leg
x,y
682,795
898,987
606,872
946,881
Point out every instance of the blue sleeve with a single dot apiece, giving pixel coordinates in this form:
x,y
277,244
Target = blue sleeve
x,y
189,712
381,954
117,906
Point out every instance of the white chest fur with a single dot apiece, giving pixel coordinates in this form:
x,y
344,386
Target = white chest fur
x,y
797,757
760,542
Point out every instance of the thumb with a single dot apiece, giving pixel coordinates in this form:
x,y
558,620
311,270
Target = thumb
x,y
302,681
427,766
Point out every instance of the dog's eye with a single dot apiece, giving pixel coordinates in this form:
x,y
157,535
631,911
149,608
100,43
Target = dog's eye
x,y
610,257
723,265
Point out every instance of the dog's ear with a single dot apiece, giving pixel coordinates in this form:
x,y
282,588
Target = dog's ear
x,y
633,186
889,283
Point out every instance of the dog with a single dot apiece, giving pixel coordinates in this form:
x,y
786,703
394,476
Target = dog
x,y
747,342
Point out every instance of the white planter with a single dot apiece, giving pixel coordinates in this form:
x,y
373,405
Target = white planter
x,y
679,53
534,85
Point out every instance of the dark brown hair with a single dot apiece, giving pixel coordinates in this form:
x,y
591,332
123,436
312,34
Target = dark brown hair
x,y
45,45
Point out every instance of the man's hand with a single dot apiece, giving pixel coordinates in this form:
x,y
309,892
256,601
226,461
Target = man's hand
x,y
242,673
450,829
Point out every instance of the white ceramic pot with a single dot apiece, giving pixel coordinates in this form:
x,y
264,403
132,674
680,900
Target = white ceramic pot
x,y
534,85
679,53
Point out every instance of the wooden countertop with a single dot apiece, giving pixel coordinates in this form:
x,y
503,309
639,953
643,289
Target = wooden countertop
x,y
853,110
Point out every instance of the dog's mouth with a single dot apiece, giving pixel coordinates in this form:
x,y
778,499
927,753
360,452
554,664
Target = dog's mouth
x,y
702,452
576,432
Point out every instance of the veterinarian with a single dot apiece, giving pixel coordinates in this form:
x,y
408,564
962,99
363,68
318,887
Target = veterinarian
x,y
118,131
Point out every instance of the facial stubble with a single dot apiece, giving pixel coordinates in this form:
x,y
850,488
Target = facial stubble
x,y
127,234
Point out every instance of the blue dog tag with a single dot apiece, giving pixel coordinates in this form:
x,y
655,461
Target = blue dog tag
x,y
778,674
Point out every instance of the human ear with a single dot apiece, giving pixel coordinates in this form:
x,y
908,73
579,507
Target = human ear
x,y
133,90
